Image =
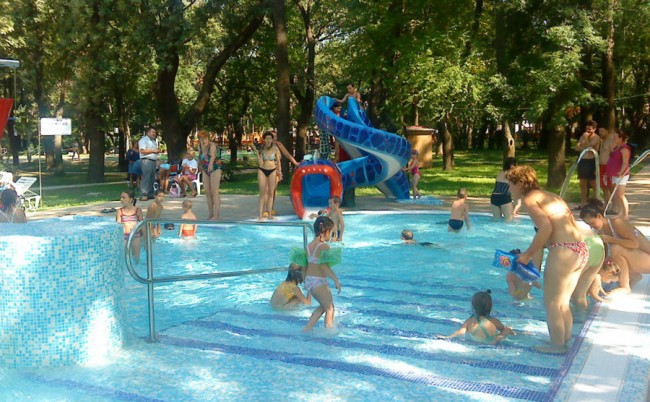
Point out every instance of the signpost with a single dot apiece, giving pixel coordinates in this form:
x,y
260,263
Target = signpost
x,y
50,126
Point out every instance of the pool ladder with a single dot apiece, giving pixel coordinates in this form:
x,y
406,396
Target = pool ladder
x,y
151,280
565,185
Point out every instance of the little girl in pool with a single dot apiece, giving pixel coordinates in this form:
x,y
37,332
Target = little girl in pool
x,y
129,216
480,327
319,258
288,294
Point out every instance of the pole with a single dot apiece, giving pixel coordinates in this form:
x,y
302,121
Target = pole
x,y
40,176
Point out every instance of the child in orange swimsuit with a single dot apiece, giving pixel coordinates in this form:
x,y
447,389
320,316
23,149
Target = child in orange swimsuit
x,y
129,216
187,230
288,294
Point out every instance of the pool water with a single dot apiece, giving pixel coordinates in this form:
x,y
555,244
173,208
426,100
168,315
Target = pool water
x,y
220,340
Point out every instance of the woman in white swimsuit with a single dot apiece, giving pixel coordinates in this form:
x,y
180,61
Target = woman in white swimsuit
x,y
8,211
318,258
627,247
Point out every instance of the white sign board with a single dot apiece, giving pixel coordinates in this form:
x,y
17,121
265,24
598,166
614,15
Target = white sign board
x,y
54,126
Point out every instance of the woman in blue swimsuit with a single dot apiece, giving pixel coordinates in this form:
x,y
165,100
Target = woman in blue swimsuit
x,y
269,169
480,327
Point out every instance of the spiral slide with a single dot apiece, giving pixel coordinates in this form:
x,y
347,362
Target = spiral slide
x,y
378,156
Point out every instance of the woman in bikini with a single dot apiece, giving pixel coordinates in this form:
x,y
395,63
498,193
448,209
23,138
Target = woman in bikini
x,y
501,199
319,258
210,165
567,252
480,327
268,174
627,247
413,166
129,216
8,211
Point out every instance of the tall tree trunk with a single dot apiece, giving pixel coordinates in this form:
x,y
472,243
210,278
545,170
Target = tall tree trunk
x,y
509,150
447,146
96,143
609,74
284,84
556,154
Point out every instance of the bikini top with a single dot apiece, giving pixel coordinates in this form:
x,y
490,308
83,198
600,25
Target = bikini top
x,y
268,158
487,338
501,187
130,218
609,221
311,257
331,256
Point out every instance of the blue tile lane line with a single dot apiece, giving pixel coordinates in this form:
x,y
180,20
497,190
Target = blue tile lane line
x,y
426,379
386,350
91,389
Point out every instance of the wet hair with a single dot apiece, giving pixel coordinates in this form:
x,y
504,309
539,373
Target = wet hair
x,y
592,209
407,235
514,251
131,195
591,123
509,163
322,225
482,303
294,274
336,199
187,204
462,193
159,191
610,267
9,198
525,176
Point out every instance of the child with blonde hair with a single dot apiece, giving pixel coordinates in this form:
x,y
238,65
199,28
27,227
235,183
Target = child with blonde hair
x,y
187,230
459,212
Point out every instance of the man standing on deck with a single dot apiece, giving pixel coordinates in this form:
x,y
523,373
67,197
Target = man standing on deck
x,y
149,151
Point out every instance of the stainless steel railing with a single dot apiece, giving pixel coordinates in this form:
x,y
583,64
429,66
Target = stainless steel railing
x,y
573,168
151,280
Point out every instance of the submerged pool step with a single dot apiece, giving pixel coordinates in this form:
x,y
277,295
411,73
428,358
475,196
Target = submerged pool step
x,y
418,377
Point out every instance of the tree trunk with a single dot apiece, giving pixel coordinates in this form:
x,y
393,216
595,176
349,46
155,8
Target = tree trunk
x,y
96,143
509,150
556,155
283,73
447,146
609,74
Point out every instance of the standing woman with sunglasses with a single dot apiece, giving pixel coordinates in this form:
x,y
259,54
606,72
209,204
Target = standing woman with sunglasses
x,y
210,165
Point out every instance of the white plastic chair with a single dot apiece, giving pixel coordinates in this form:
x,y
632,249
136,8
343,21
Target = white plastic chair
x,y
30,200
197,183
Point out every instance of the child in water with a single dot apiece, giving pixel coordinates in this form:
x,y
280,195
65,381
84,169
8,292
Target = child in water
x,y
288,294
480,327
459,212
129,216
517,287
608,274
334,213
187,230
319,258
408,238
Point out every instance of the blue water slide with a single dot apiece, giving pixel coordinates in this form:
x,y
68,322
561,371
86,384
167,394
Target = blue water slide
x,y
377,156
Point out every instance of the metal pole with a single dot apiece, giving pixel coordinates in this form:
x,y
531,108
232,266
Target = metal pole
x,y
152,315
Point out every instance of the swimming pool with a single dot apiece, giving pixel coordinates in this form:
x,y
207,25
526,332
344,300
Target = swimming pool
x,y
220,340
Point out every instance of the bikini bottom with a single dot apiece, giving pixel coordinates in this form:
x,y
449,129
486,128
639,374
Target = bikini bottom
x,y
267,172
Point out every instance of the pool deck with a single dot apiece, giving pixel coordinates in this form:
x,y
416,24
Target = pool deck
x,y
614,369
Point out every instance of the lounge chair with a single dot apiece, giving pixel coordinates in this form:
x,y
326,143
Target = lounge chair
x,y
29,199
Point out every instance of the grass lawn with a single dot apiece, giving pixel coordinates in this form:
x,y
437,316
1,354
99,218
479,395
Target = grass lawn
x,y
474,169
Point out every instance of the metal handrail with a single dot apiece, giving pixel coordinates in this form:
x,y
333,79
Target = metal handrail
x,y
150,280
573,168
636,162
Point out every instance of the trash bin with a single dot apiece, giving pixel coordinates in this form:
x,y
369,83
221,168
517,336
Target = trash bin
x,y
421,138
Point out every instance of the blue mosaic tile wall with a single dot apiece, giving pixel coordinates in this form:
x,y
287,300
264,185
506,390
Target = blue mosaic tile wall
x,y
61,291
